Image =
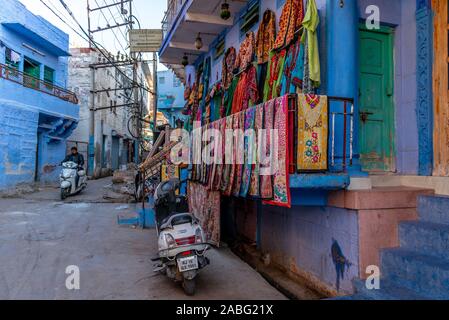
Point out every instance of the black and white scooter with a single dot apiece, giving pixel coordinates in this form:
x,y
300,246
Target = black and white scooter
x,y
72,180
181,241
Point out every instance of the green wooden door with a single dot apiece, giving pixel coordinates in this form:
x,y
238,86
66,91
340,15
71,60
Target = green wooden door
x,y
376,122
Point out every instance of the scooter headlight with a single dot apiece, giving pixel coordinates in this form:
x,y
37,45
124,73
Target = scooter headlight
x,y
170,240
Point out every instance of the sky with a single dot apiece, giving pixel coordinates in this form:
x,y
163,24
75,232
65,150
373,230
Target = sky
x,y
149,13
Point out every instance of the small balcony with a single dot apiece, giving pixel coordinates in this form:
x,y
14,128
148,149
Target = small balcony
x,y
28,81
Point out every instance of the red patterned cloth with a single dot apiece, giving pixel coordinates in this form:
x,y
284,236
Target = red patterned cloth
x,y
281,183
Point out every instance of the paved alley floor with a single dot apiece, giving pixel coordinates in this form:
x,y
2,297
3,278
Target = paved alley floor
x,y
40,236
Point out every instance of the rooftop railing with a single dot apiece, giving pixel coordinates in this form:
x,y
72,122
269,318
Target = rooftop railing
x,y
173,9
14,75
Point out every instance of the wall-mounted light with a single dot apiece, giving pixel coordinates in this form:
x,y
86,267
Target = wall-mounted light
x,y
198,42
225,13
342,3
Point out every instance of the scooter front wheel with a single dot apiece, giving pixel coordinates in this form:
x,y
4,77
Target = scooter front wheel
x,y
189,286
63,194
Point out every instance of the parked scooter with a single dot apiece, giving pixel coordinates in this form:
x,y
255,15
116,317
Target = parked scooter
x,y
72,180
181,241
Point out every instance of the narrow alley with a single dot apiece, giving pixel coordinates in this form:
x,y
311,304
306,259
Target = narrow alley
x,y
40,236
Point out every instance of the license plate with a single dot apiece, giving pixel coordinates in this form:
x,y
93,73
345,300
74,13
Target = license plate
x,y
188,263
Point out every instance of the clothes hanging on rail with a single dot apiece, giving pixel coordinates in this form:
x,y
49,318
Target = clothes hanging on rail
x,y
275,69
310,38
228,65
293,71
246,93
246,53
290,21
266,35
255,173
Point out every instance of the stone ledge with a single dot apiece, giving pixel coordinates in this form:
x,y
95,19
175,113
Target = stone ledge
x,y
377,198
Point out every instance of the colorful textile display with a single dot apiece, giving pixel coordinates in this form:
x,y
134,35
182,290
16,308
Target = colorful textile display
x,y
266,157
246,93
246,52
205,205
227,167
310,37
228,68
219,165
239,155
228,97
265,36
290,22
275,69
249,150
293,72
233,165
281,183
255,178
312,132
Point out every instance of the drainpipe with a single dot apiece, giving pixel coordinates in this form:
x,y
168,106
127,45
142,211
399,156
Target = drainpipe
x,y
342,71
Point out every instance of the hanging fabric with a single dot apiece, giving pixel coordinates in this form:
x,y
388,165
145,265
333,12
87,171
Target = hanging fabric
x,y
266,156
246,93
246,53
228,151
219,164
228,65
255,178
281,184
310,37
249,150
275,68
239,154
205,205
293,71
313,132
290,21
228,97
265,36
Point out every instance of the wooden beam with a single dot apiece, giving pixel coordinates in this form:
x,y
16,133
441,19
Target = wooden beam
x,y
208,19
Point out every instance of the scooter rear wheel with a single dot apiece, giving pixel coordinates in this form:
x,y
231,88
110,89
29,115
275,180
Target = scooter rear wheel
x,y
189,286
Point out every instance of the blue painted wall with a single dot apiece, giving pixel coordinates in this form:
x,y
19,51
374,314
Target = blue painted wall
x,y
34,125
170,95
302,238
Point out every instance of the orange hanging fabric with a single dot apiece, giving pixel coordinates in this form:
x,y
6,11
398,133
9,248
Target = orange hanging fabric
x,y
290,21
266,36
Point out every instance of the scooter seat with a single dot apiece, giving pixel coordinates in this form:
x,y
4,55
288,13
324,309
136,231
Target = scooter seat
x,y
176,219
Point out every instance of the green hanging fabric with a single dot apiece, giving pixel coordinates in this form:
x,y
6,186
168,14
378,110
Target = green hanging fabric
x,y
310,23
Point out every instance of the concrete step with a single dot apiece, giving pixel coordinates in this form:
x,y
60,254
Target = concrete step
x,y
434,209
423,273
387,291
422,236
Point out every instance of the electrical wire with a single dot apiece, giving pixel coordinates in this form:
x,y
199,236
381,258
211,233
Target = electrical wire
x,y
112,30
100,48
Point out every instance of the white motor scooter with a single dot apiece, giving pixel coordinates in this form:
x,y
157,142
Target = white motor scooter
x,y
181,241
68,179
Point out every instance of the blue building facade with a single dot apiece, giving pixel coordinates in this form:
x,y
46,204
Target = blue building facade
x,y
170,92
37,113
387,60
